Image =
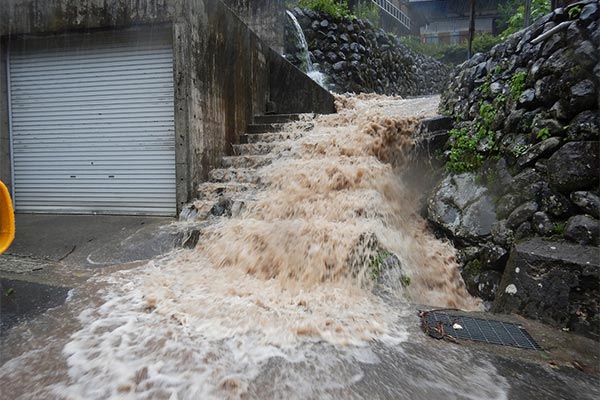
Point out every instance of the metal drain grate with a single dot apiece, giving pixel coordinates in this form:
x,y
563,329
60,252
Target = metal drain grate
x,y
439,325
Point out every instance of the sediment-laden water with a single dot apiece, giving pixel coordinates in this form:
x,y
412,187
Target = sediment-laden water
x,y
278,300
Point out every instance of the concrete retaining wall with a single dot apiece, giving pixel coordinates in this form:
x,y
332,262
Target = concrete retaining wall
x,y
223,73
266,18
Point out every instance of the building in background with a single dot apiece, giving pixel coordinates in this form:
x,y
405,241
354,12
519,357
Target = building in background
x,y
393,14
447,21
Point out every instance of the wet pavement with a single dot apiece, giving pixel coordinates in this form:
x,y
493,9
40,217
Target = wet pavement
x,y
21,300
92,240
53,254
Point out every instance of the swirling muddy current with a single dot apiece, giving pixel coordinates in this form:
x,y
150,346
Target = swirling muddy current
x,y
281,299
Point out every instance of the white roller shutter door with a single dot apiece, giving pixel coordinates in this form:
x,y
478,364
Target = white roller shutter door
x,y
93,125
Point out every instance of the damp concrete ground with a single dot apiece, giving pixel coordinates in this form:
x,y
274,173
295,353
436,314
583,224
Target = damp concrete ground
x,y
52,254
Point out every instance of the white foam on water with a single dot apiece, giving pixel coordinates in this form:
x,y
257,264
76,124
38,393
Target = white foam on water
x,y
287,282
190,330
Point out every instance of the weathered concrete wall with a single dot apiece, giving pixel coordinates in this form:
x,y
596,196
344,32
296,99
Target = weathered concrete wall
x,y
266,18
226,91
47,16
295,93
222,70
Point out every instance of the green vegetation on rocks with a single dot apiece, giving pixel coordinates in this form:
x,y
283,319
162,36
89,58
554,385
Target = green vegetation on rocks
x,y
517,84
335,8
523,164
377,264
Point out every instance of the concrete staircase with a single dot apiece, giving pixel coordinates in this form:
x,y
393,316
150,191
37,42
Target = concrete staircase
x,y
230,188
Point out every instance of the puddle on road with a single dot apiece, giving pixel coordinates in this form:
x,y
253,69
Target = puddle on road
x,y
276,302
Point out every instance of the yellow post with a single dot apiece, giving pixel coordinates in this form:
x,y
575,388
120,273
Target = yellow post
x,y
7,219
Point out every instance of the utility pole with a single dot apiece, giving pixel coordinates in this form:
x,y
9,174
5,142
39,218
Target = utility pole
x,y
527,16
471,29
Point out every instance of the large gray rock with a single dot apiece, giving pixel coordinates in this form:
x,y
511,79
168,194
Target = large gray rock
x,y
527,184
538,150
521,214
541,223
582,229
585,126
462,207
589,13
483,284
502,235
554,282
583,96
574,166
506,204
527,99
588,202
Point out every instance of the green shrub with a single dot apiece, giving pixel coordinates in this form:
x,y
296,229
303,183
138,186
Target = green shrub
x,y
543,134
520,150
463,155
559,228
574,11
405,280
451,53
366,9
414,43
483,43
335,8
517,84
376,264
512,14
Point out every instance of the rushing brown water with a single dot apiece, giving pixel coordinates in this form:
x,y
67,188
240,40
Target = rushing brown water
x,y
340,181
290,271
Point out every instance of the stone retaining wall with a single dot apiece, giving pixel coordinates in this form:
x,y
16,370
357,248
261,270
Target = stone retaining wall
x,y
356,57
524,158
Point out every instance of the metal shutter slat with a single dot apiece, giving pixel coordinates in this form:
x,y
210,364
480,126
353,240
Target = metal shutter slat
x,y
93,128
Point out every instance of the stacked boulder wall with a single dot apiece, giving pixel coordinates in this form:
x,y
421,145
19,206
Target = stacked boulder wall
x,y
357,57
544,280
522,164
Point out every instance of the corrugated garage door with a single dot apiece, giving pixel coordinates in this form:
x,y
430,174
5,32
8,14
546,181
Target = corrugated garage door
x,y
93,124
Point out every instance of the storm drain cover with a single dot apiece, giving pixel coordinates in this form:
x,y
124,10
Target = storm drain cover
x,y
442,325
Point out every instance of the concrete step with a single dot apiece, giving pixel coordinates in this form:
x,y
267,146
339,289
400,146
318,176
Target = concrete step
x,y
269,137
239,175
276,118
253,149
222,199
264,128
245,161
214,190
221,207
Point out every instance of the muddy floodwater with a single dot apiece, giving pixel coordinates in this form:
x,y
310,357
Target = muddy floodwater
x,y
280,300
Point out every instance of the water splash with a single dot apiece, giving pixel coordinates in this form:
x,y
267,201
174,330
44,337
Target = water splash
x,y
311,71
284,282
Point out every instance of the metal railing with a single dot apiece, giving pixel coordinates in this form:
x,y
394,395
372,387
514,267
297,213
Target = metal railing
x,y
394,11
